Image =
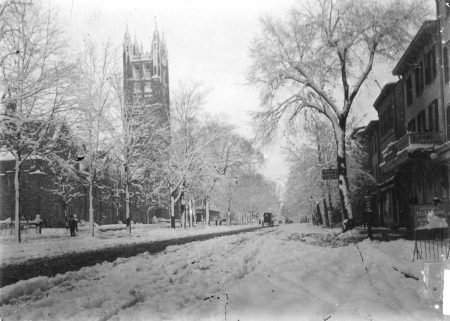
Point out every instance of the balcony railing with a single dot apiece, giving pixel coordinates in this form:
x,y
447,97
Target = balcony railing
x,y
420,140
412,142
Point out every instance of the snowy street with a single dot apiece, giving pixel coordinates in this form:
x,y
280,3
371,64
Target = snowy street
x,y
291,272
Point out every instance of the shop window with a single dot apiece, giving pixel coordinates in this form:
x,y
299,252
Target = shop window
x,y
436,115
430,118
409,96
421,121
412,126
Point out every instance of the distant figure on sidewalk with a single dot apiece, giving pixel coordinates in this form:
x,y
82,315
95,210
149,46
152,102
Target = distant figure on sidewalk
x,y
73,225
75,218
369,214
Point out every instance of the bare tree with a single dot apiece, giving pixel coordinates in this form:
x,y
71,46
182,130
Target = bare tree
x,y
93,123
319,57
186,146
34,84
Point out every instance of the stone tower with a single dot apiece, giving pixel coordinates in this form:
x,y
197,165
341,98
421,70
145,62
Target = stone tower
x,y
146,75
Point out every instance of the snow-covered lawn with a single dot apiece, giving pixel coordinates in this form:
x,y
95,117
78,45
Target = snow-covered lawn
x,y
57,241
291,272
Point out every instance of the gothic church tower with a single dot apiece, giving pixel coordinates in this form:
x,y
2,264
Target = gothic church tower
x,y
146,75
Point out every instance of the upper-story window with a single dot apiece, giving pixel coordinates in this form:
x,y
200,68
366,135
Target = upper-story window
x,y
387,119
148,87
374,144
447,8
448,121
147,71
409,96
137,72
418,78
430,66
446,53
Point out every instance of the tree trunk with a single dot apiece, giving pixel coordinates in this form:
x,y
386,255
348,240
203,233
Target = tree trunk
x,y
183,217
17,201
207,210
65,210
172,212
91,208
325,211
191,212
127,203
318,214
344,191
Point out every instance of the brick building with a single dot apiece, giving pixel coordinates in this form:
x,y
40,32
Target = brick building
x,y
414,120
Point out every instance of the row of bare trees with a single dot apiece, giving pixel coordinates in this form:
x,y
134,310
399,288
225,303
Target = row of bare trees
x,y
69,111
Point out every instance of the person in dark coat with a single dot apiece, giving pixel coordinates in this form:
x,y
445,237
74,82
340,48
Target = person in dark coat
x,y
72,225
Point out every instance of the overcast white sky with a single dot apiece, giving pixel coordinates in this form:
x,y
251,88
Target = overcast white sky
x,y
207,40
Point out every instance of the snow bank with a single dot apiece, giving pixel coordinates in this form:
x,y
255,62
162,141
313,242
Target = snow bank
x,y
57,241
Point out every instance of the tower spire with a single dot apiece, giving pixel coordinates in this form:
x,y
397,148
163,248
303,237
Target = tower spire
x,y
126,37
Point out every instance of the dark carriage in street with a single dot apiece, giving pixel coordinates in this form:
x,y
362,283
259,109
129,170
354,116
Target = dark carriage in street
x,y
267,219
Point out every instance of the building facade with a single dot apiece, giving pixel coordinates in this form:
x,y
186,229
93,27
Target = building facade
x,y
414,120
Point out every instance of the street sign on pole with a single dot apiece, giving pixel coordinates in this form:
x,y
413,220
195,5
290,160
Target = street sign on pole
x,y
331,173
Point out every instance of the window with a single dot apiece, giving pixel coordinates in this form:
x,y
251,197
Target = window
x,y
412,126
446,67
387,119
448,122
430,118
433,116
421,121
436,115
419,78
374,143
137,72
447,8
409,96
430,66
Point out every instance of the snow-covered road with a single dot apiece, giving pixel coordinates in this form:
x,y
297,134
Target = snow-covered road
x,y
293,272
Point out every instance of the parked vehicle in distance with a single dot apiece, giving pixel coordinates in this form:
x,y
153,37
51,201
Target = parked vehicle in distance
x,y
268,219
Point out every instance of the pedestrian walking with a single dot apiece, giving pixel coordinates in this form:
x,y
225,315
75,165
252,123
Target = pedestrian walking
x,y
72,225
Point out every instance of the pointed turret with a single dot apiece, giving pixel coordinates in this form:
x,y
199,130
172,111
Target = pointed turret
x,y
156,53
126,38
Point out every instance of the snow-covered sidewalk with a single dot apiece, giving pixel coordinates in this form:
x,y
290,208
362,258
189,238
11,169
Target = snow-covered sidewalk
x,y
55,241
293,272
